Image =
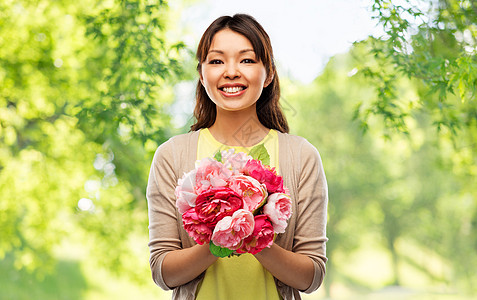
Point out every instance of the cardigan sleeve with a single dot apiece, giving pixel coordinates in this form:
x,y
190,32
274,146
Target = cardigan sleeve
x,y
163,229
310,230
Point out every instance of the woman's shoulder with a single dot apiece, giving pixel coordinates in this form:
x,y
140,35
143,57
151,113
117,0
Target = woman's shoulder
x,y
178,143
297,142
184,137
300,152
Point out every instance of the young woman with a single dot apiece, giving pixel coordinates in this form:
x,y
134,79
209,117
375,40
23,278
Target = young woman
x,y
238,107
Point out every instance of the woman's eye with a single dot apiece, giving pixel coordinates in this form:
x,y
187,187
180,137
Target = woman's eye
x,y
215,62
248,61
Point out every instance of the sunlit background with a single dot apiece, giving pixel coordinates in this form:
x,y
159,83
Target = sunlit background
x,y
385,90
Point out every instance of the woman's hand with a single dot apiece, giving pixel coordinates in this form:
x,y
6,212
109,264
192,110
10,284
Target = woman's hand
x,y
181,266
293,269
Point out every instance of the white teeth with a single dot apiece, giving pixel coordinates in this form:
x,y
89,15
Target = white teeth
x,y
233,89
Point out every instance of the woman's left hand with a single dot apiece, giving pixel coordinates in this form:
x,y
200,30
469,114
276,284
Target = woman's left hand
x,y
293,269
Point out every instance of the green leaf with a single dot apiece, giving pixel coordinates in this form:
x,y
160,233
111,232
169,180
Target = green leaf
x,y
218,156
219,251
259,152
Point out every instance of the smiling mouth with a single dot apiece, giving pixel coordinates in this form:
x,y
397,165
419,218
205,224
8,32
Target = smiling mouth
x,y
232,90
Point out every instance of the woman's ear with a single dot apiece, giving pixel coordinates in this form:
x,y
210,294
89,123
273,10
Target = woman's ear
x,y
201,78
268,81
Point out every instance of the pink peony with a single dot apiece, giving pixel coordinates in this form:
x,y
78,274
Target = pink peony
x,y
200,232
261,237
265,175
279,210
185,192
210,173
235,161
217,203
231,230
252,192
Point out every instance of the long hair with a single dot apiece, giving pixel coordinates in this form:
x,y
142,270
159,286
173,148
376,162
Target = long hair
x,y
268,108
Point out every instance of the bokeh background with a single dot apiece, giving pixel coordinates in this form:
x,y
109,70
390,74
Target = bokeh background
x,y
386,90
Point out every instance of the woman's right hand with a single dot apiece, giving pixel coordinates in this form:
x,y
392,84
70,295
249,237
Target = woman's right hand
x,y
182,266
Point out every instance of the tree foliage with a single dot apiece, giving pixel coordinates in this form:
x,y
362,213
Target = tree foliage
x,y
83,91
434,44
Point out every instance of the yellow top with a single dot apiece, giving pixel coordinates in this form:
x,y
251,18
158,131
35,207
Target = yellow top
x,y
237,277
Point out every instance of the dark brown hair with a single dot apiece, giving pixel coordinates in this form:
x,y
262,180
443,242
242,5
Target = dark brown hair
x,y
268,108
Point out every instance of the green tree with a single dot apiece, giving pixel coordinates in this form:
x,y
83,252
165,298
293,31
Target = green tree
x,y
434,44
84,87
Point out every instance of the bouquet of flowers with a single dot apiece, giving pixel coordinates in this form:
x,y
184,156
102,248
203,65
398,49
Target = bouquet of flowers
x,y
235,202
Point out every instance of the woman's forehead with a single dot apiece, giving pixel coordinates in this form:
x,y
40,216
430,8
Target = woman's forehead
x,y
227,39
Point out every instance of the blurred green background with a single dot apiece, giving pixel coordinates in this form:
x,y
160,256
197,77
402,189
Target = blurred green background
x,y
88,90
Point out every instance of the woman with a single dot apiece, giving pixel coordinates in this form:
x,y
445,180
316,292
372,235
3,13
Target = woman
x,y
238,107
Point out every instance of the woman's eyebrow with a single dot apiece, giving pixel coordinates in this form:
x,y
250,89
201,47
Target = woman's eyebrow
x,y
222,52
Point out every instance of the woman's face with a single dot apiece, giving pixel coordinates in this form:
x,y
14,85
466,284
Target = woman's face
x,y
231,74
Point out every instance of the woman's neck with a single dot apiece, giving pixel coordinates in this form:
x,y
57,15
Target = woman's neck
x,y
238,128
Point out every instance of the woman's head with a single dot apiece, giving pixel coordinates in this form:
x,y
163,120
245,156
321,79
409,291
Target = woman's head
x,y
267,105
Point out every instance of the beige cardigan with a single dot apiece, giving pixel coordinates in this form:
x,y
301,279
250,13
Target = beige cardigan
x,y
302,170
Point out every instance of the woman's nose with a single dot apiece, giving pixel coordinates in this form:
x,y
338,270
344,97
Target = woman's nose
x,y
231,71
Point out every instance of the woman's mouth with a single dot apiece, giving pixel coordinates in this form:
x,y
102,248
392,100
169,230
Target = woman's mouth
x,y
232,90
